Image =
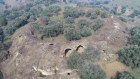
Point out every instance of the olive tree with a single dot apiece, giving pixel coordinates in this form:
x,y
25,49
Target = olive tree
x,y
83,23
90,71
75,60
130,56
85,31
98,24
72,34
135,36
124,75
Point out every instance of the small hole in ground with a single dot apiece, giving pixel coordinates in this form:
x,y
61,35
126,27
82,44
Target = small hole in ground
x,y
68,73
51,44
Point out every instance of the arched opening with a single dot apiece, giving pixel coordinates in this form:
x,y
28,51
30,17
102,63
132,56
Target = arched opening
x,y
80,46
1,75
68,52
80,49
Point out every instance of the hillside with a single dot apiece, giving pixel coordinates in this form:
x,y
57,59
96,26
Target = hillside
x,y
59,40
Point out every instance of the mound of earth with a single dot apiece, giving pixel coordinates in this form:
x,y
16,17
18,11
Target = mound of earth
x,y
28,50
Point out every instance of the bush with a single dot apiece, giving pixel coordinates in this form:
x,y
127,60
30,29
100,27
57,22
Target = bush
x,y
98,24
3,22
104,15
82,12
45,19
90,53
123,19
124,75
54,28
90,71
32,18
135,36
130,56
1,35
9,30
68,26
55,9
93,16
85,31
46,12
74,61
83,23
69,20
97,12
70,12
72,34
89,12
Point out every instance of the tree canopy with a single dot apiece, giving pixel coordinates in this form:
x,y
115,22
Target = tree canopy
x,y
130,56
124,75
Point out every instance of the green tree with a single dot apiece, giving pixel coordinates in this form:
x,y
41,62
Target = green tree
x,y
83,23
93,16
82,12
1,35
70,12
89,12
98,24
55,9
124,75
32,18
90,71
130,56
75,60
97,12
104,15
69,20
135,36
3,22
85,31
45,19
123,19
72,34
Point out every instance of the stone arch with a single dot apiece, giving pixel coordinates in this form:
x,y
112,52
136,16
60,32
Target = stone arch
x,y
80,49
68,52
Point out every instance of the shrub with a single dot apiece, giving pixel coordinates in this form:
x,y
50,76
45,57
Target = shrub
x,y
104,15
135,36
124,75
3,22
32,18
85,31
45,19
93,16
130,56
68,26
83,23
123,19
98,24
90,53
97,12
70,12
54,28
90,71
1,35
72,34
74,61
69,20
82,12
89,12
55,9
